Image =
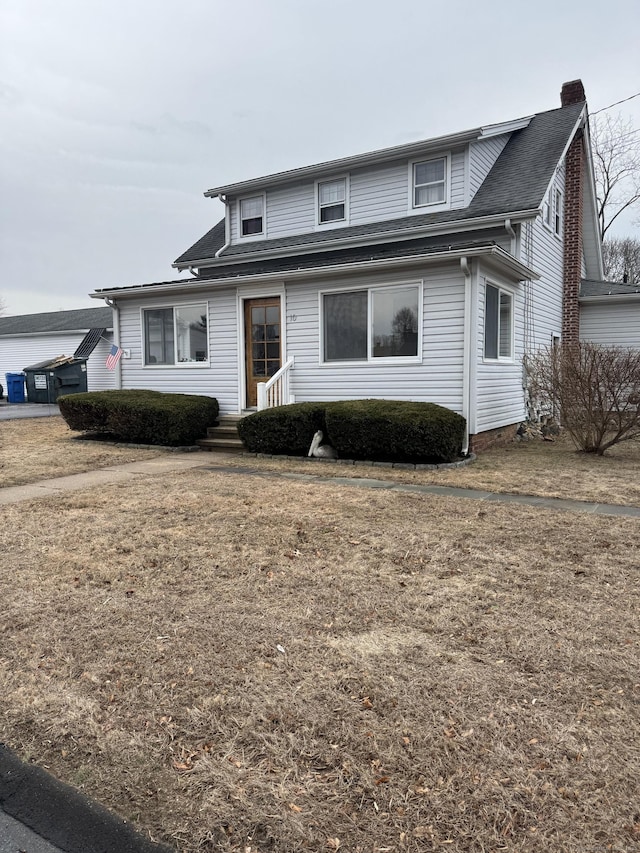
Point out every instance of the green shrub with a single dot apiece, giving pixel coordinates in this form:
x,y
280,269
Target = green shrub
x,y
285,429
385,430
141,416
395,431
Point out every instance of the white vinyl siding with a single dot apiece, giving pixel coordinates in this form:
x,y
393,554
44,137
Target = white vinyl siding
x,y
219,379
611,323
499,397
290,210
437,379
482,156
20,352
542,251
373,194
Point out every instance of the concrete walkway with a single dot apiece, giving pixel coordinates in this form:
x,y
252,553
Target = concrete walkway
x,y
216,463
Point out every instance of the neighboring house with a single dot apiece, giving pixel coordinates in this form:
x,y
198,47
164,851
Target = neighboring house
x,y
32,338
419,272
610,313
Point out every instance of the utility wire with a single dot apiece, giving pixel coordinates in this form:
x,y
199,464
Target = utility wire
x,y
623,101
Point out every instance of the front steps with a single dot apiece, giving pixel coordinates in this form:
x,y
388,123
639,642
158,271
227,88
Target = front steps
x,y
224,438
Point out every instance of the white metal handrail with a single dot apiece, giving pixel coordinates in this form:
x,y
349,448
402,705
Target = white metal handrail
x,y
276,391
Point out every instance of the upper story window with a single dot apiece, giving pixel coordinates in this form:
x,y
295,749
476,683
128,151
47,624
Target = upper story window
x,y
252,216
176,335
557,213
371,324
332,201
430,182
498,323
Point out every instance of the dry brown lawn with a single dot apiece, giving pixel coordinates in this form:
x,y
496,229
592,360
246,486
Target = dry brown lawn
x,y
33,449
240,663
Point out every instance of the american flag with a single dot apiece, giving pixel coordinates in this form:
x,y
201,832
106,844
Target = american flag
x,y
113,358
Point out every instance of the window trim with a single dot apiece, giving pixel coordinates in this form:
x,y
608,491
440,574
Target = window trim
x,y
370,359
336,223
262,234
504,359
557,217
437,205
181,365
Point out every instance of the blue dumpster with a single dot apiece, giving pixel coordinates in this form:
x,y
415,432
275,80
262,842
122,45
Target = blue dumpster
x,y
15,387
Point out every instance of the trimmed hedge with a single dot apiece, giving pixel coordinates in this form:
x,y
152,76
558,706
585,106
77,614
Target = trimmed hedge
x,y
376,430
141,416
285,429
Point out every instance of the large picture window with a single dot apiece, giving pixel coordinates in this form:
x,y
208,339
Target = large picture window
x,y
498,323
176,335
375,323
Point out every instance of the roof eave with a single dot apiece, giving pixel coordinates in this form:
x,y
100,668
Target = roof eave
x,y
454,227
611,297
495,255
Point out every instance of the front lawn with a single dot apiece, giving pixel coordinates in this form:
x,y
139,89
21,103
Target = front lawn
x,y
241,664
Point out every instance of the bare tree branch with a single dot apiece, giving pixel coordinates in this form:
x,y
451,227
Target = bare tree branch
x,y
616,160
621,259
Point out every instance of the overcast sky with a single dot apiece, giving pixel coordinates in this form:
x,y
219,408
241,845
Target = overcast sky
x,y
116,115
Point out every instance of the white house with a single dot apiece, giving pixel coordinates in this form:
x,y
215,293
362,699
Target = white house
x,y
419,272
33,338
610,313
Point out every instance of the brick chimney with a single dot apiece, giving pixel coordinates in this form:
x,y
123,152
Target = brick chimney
x,y
573,93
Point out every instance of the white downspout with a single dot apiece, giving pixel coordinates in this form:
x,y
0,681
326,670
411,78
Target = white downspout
x,y
227,227
514,239
116,337
466,354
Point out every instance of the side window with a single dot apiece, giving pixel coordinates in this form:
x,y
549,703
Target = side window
x,y
557,213
498,323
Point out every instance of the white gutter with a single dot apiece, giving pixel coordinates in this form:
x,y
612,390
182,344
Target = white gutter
x,y
391,236
116,337
466,357
611,297
500,256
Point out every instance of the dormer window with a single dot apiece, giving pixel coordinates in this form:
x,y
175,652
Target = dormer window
x,y
429,182
252,216
332,201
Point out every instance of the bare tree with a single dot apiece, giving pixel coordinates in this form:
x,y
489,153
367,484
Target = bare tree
x,y
622,259
616,158
595,390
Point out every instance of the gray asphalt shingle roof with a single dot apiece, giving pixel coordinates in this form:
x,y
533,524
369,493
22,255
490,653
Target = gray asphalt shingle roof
x,y
588,287
77,320
518,181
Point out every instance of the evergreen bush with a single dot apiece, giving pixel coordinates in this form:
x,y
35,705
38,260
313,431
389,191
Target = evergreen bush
x,y
384,430
141,416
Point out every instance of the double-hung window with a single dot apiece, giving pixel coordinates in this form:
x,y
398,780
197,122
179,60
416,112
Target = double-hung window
x,y
252,216
176,335
332,199
557,213
430,182
498,323
372,323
